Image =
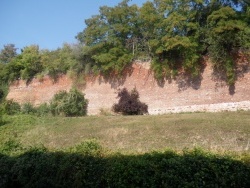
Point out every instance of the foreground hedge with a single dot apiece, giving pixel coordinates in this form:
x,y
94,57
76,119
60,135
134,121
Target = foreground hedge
x,y
88,166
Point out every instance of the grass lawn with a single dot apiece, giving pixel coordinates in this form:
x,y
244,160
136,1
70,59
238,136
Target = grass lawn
x,y
225,131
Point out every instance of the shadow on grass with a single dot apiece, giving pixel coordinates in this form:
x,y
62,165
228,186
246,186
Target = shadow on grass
x,y
42,168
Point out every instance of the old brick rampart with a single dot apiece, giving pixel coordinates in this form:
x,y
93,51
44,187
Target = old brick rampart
x,y
177,95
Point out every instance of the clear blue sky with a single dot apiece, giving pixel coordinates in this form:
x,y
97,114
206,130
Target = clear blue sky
x,y
48,23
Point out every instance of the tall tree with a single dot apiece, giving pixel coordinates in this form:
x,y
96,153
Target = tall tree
x,y
12,70
175,34
106,35
58,61
31,60
8,53
227,34
178,45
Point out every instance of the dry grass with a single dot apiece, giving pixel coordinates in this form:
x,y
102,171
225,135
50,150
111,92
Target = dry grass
x,y
227,131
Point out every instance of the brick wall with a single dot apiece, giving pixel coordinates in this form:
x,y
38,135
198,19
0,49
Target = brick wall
x,y
179,95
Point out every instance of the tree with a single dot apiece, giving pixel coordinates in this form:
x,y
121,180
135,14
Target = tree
x,y
148,34
31,60
106,35
175,34
8,53
12,70
83,61
227,34
177,47
129,103
58,61
25,65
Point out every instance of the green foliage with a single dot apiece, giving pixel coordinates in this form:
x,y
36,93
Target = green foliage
x,y
58,61
227,34
11,147
75,104
56,104
38,167
129,103
173,34
8,53
72,103
1,115
28,108
12,70
11,107
43,109
88,147
3,92
31,60
106,36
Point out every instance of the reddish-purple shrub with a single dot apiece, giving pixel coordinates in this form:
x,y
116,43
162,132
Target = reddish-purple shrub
x,y
129,103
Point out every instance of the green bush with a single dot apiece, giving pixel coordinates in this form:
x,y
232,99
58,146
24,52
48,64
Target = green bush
x,y
88,147
1,116
11,107
3,91
1,94
72,103
28,108
43,109
10,147
85,167
56,104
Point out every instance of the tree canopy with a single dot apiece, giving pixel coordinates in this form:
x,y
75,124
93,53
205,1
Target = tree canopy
x,y
34,62
7,53
174,35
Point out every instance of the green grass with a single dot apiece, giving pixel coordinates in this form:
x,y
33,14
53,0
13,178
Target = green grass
x,y
225,131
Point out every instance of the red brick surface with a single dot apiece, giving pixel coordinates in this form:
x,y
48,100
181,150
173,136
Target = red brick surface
x,y
160,98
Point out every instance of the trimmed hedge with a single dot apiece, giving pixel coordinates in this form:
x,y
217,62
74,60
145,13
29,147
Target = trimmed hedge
x,y
87,165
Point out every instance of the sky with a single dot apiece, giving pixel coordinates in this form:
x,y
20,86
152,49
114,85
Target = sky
x,y
47,23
